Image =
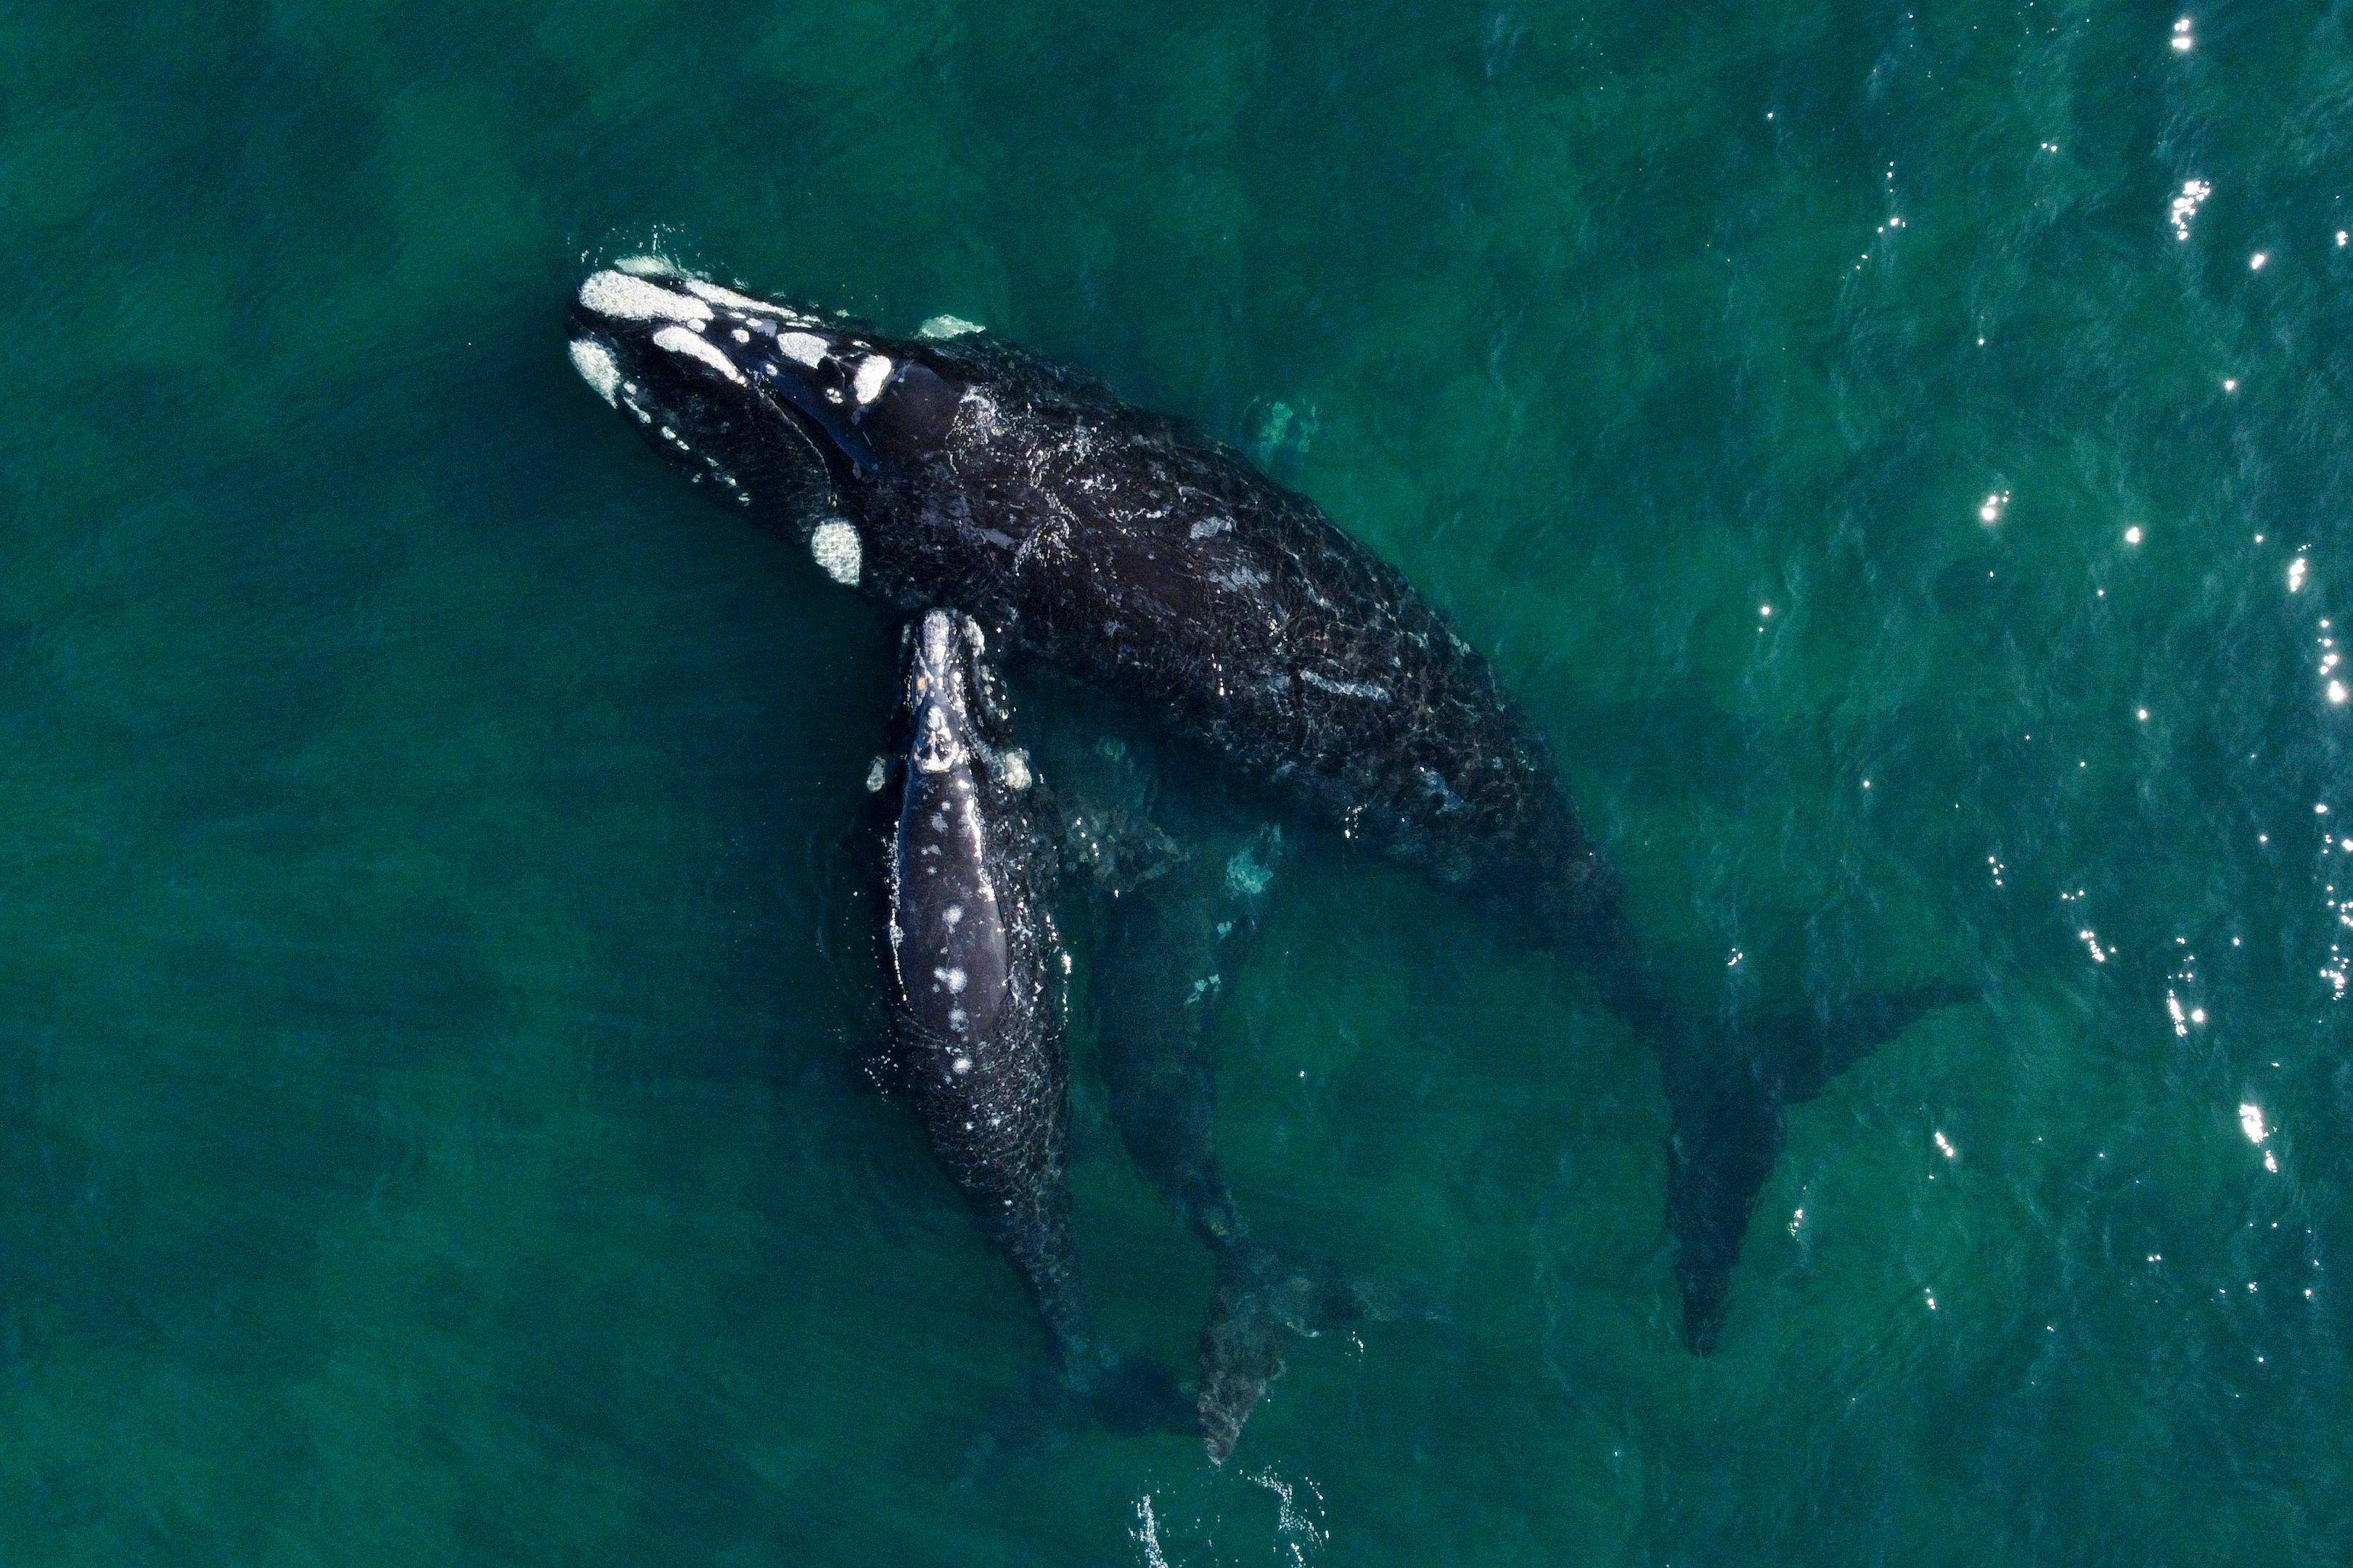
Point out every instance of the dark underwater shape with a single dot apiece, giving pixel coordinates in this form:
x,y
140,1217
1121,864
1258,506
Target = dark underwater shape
x,y
1170,940
1126,549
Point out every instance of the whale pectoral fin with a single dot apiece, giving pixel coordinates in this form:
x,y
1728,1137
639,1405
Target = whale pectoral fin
x,y
1265,1299
1729,1121
1241,1353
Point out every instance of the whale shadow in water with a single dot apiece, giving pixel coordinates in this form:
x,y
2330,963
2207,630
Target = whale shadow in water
x,y
1174,919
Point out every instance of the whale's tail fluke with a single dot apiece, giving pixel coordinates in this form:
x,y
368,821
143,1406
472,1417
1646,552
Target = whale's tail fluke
x,y
1729,1112
1265,1299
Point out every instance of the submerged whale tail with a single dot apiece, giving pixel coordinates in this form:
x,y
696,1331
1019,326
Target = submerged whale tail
x,y
1266,1299
1124,1393
1091,1389
1729,1119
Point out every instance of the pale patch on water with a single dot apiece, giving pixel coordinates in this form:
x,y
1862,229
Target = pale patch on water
x,y
2185,206
2259,1133
1299,1535
1246,875
1145,1532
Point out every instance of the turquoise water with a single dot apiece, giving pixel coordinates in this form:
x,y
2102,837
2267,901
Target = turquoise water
x,y
427,1093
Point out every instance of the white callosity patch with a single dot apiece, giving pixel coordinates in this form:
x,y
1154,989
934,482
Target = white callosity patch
x,y
877,773
679,341
872,373
596,366
839,550
626,299
1013,768
946,327
937,631
801,348
645,266
704,290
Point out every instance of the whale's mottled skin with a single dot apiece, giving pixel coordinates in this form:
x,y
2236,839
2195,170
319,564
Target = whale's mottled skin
x,y
972,970
1125,549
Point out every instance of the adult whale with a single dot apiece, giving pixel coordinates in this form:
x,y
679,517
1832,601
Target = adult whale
x,y
1126,549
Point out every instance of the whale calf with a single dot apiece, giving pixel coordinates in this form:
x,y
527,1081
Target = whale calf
x,y
973,972
1128,550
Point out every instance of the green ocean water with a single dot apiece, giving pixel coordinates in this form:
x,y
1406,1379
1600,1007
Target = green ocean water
x,y
430,1130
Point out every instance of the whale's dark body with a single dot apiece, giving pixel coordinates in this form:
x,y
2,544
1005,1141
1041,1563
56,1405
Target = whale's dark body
x,y
972,970
1127,550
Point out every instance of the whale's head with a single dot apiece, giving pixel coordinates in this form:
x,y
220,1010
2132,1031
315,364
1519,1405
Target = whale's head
x,y
953,703
810,422
941,694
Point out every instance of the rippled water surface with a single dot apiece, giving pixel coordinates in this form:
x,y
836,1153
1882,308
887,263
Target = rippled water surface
x,y
1900,455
